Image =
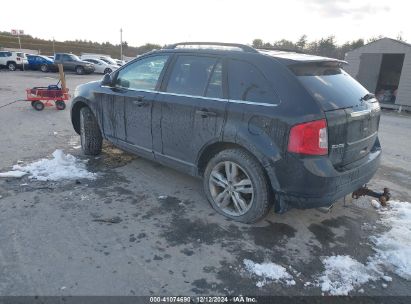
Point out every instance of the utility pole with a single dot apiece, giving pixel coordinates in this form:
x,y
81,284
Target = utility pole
x,y
121,44
54,50
18,33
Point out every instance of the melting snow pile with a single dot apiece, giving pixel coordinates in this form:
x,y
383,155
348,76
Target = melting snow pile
x,y
343,273
393,247
269,272
61,166
393,252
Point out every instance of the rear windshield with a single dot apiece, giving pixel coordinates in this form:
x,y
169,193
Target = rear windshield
x,y
330,85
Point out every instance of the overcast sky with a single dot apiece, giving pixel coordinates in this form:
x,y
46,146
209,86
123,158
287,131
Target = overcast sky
x,y
168,21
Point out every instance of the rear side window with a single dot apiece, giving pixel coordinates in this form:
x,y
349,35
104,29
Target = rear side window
x,y
247,83
190,75
330,85
142,74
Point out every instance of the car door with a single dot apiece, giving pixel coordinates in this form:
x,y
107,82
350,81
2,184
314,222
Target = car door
x,y
192,110
68,62
135,90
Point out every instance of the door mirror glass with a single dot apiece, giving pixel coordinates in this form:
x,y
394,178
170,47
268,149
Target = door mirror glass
x,y
107,80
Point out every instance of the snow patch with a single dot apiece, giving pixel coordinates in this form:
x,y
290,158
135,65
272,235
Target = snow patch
x,y
393,247
269,272
61,166
375,204
14,173
342,274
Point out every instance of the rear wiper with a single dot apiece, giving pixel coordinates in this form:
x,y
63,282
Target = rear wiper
x,y
367,96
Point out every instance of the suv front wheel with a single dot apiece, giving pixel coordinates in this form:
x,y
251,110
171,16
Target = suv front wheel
x,y
79,70
236,186
90,135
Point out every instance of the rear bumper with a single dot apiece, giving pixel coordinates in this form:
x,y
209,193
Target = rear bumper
x,y
314,182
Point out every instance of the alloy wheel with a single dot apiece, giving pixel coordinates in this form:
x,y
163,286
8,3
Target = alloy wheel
x,y
231,188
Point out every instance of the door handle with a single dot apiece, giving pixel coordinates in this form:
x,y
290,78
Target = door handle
x,y
204,113
139,102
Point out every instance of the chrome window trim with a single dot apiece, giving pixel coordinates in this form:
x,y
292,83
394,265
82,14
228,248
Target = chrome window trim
x,y
360,113
200,97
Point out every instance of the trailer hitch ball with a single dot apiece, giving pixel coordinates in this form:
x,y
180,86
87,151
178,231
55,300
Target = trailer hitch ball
x,y
383,197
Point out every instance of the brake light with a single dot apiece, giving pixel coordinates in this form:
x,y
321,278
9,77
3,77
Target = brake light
x,y
309,138
18,58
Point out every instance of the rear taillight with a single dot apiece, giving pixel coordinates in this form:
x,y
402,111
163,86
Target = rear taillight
x,y
18,58
309,138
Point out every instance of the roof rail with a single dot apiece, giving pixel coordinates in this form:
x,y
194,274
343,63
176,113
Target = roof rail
x,y
281,50
243,47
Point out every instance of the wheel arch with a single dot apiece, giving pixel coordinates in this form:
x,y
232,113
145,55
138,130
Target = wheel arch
x,y
75,112
210,150
78,66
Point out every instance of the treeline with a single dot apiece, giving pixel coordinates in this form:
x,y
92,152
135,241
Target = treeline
x,y
49,47
323,47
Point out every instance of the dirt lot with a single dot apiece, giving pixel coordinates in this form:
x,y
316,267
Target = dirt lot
x,y
166,240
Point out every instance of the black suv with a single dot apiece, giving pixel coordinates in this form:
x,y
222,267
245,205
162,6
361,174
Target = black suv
x,y
259,126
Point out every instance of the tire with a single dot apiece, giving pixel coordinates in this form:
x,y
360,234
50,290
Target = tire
x,y
11,66
44,68
38,105
249,177
79,70
107,71
90,134
60,105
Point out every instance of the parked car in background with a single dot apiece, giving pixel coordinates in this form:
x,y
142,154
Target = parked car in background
x,y
42,63
106,59
71,62
101,66
261,127
13,60
120,62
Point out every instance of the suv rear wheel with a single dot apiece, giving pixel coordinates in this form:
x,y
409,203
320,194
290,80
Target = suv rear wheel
x,y
80,70
90,134
236,186
12,66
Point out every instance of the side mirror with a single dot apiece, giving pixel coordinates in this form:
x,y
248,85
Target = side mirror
x,y
107,80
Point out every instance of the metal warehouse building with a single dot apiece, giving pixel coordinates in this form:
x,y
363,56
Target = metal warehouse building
x,y
384,68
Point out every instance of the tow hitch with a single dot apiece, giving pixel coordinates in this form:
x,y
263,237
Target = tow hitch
x,y
383,197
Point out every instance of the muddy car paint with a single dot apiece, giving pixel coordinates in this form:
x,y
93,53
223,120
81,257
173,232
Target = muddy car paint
x,y
260,128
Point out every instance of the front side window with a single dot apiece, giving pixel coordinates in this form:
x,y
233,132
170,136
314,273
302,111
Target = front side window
x,y
190,75
142,74
247,83
67,58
